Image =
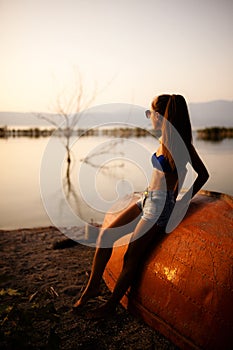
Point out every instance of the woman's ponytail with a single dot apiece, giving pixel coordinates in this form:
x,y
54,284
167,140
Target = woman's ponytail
x,y
176,128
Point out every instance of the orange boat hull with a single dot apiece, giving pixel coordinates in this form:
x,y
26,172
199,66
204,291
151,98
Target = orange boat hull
x,y
185,288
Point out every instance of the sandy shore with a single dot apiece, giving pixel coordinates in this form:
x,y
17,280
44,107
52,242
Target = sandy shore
x,y
40,277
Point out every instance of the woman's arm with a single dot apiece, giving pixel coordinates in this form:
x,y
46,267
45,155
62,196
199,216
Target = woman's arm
x,y
182,205
200,169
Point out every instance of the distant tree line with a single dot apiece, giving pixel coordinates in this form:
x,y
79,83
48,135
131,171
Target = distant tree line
x,y
208,134
6,132
215,133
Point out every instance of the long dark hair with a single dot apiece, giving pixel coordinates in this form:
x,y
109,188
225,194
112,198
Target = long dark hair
x,y
174,110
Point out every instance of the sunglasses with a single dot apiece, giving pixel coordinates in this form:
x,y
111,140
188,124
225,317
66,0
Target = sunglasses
x,y
149,113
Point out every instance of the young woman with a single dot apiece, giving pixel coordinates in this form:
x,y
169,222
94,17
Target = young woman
x,y
170,114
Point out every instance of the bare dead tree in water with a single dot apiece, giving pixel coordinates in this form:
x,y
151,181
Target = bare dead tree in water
x,y
69,107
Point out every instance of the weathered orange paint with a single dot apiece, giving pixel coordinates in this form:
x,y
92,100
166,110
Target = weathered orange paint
x,y
185,288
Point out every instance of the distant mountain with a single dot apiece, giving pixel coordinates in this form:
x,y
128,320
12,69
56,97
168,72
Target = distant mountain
x,y
206,114
215,113
22,119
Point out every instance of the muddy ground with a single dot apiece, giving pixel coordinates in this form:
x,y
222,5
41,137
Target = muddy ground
x,y
41,275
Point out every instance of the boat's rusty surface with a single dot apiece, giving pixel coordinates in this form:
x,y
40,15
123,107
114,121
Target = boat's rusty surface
x,y
185,288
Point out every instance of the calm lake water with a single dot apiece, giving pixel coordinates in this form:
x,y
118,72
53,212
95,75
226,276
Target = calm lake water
x,y
34,189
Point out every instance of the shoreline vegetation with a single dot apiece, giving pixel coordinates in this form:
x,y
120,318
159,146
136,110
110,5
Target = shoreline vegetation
x,y
6,132
214,134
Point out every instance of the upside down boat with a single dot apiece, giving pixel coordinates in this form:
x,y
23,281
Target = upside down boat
x,y
185,287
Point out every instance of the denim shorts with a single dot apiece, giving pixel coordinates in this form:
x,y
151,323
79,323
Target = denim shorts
x,y
157,206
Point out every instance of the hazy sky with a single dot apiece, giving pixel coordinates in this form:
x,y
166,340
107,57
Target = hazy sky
x,y
143,47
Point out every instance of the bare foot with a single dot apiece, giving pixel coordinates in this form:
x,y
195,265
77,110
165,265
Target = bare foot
x,y
104,311
85,297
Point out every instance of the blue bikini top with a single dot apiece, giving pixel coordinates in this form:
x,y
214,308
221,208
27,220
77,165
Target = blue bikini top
x,y
161,163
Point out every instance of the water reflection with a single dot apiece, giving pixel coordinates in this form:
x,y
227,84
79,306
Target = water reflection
x,y
21,204
105,170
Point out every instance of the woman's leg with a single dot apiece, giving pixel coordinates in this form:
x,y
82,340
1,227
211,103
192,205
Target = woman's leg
x,y
106,238
143,236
